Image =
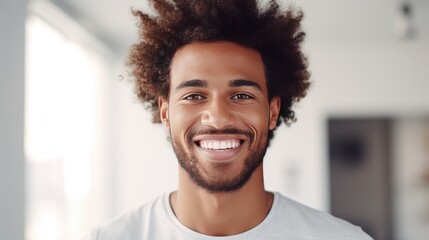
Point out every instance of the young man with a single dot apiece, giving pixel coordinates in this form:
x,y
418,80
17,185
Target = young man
x,y
221,75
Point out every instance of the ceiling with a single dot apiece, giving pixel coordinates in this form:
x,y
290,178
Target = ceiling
x,y
325,21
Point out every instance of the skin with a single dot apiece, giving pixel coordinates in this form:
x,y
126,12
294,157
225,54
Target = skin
x,y
206,96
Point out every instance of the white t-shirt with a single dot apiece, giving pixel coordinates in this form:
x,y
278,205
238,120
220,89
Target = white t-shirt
x,y
287,219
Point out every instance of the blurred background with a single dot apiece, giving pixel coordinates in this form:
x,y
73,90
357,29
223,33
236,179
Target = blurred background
x,y
77,148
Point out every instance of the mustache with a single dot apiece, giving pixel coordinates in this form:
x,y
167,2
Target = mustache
x,y
248,134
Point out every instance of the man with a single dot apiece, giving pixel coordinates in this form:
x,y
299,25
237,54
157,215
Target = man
x,y
221,76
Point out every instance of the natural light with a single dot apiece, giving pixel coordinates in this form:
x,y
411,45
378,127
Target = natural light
x,y
61,82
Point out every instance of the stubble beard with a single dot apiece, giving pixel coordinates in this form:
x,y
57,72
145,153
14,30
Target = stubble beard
x,y
215,180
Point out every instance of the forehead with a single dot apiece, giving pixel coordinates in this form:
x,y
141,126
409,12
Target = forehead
x,y
216,62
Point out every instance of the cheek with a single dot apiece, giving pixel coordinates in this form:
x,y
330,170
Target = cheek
x,y
257,114
181,120
256,119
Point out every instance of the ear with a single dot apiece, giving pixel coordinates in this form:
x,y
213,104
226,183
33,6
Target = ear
x,y
275,104
163,111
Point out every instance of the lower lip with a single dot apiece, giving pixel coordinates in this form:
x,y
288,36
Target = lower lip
x,y
220,155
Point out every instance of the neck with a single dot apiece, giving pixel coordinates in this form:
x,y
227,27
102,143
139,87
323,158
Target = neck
x,y
221,213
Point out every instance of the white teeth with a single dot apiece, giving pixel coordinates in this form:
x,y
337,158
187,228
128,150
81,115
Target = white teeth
x,y
219,145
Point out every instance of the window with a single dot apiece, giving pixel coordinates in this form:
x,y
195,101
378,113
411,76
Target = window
x,y
65,92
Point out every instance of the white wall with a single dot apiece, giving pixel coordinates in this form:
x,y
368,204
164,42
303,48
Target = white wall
x,y
411,178
389,77
146,165
12,167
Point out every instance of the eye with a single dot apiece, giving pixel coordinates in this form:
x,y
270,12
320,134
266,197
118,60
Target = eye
x,y
241,96
192,97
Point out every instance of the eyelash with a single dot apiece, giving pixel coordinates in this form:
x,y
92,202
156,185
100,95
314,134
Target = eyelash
x,y
193,97
243,96
239,96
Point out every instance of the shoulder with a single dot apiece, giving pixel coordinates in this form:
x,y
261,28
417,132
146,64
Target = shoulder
x,y
132,224
311,222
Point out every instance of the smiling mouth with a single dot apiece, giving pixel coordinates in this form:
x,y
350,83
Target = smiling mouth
x,y
219,144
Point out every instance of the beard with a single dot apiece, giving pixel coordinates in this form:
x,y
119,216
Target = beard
x,y
215,179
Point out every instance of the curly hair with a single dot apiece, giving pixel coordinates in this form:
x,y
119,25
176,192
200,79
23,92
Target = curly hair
x,y
275,33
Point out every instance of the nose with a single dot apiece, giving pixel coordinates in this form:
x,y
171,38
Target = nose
x,y
218,114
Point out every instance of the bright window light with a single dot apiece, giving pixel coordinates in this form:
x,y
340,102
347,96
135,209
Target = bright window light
x,y
61,85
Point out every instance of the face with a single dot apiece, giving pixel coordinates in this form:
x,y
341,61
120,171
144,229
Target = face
x,y
218,113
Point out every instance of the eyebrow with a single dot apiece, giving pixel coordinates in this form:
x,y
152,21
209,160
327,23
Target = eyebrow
x,y
232,83
245,83
192,83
